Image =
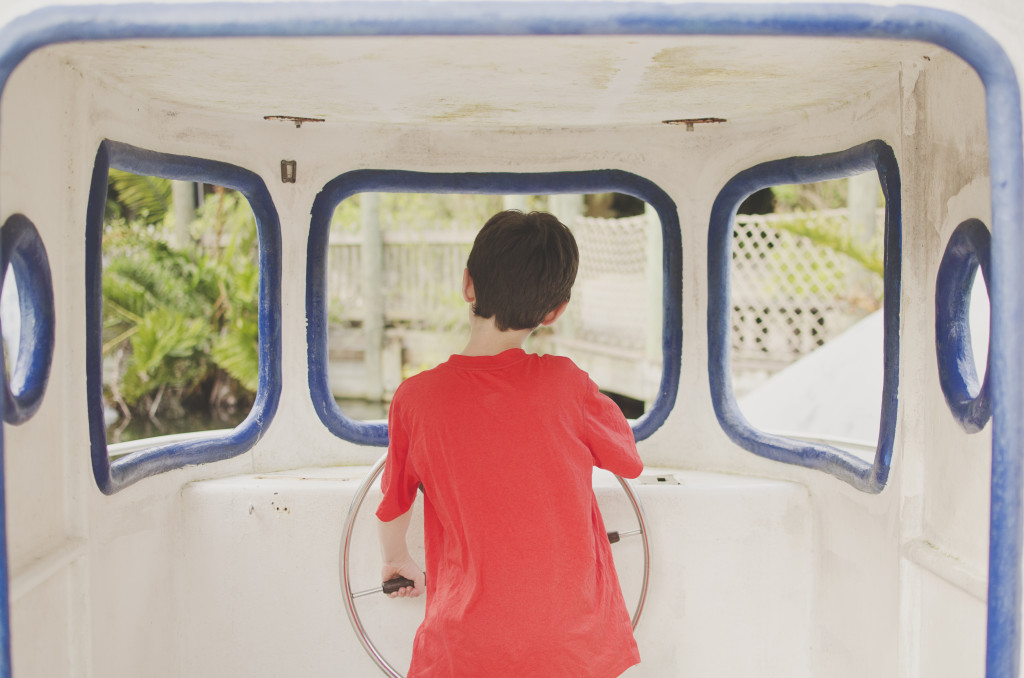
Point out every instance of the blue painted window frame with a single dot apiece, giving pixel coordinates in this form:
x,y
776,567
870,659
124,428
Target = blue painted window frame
x,y
500,183
122,472
962,37
22,250
873,155
968,249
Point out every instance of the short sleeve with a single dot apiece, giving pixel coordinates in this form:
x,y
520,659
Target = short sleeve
x,y
608,435
399,481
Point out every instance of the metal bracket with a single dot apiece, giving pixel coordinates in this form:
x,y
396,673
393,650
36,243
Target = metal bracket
x,y
288,170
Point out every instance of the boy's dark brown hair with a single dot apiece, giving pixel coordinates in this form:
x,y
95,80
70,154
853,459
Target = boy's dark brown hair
x,y
523,267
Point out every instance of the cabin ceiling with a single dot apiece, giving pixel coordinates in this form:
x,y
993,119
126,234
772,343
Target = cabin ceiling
x,y
498,81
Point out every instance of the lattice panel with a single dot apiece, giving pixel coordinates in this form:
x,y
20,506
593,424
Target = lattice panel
x,y
790,295
610,302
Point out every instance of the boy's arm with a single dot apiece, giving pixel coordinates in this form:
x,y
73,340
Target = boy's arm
x,y
395,554
609,436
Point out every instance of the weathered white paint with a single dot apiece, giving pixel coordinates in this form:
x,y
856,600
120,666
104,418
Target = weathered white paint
x,y
710,599
575,81
766,569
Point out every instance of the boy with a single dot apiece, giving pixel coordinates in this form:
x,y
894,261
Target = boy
x,y
522,583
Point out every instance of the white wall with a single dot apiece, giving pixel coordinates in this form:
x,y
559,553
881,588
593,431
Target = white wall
x,y
944,518
108,585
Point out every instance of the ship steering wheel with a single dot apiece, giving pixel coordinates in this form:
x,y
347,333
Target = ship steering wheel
x,y
351,595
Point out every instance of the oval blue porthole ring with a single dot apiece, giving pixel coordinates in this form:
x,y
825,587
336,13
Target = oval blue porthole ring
x,y
23,252
968,249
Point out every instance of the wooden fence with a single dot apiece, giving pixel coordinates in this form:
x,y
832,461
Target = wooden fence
x,y
789,295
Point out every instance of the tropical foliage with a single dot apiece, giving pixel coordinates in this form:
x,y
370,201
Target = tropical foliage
x,y
136,197
803,202
180,321
837,234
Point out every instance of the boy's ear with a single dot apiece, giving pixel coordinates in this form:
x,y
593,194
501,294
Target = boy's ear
x,y
552,316
468,293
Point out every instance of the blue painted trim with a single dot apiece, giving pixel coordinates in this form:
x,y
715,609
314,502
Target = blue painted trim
x,y
5,604
951,31
112,477
500,183
873,155
967,250
22,249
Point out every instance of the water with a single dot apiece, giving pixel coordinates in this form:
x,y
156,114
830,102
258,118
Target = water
x,y
140,428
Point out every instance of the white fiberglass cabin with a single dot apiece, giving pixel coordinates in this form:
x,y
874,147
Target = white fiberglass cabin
x,y
757,552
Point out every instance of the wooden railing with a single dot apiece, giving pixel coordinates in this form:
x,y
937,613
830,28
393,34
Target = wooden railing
x,y
789,294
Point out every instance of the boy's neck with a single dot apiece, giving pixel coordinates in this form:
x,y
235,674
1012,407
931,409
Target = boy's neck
x,y
486,339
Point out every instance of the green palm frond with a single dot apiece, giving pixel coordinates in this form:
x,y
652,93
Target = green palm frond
x,y
141,197
167,350
130,288
237,353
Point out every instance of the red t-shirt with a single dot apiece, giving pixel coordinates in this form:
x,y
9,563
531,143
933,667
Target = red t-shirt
x,y
520,578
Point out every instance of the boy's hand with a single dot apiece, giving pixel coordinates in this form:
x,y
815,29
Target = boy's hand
x,y
410,570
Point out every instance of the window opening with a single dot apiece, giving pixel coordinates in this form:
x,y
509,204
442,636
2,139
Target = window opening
x,y
962,324
555,191
395,307
807,293
26,318
980,310
10,319
175,327
180,290
726,258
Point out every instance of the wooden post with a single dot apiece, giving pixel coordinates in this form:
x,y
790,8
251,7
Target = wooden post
x,y
373,294
566,207
516,202
183,197
862,203
653,359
